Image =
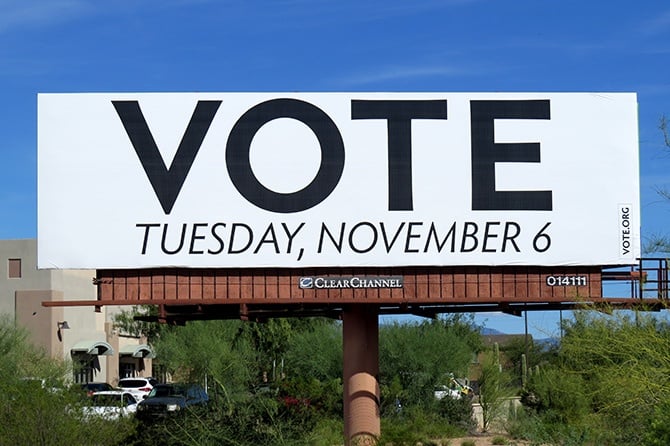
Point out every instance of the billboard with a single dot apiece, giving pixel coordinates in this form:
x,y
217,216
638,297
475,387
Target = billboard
x,y
135,180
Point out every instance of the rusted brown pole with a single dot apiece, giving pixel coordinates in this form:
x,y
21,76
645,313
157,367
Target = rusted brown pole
x,y
360,326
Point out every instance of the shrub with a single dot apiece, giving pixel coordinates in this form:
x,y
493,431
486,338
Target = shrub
x,y
558,391
417,425
37,406
456,411
659,426
327,432
495,387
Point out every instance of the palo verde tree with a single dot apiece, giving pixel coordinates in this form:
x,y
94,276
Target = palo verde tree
x,y
126,321
208,350
495,389
611,374
415,358
660,243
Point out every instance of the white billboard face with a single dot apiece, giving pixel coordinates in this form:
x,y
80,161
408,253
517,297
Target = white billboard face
x,y
337,179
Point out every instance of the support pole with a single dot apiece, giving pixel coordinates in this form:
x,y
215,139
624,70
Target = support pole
x,y
360,344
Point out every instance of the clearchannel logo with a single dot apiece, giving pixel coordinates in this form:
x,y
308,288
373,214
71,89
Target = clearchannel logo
x,y
329,283
306,282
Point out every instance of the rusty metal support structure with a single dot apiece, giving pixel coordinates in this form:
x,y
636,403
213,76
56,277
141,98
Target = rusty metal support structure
x,y
185,294
360,357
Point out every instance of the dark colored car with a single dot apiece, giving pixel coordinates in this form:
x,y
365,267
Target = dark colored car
x,y
91,388
167,399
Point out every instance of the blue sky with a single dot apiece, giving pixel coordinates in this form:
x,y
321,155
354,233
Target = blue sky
x,y
329,45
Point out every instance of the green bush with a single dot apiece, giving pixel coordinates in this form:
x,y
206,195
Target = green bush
x,y
495,389
261,419
392,397
546,428
415,425
559,391
322,397
327,432
37,404
456,411
419,356
404,433
659,426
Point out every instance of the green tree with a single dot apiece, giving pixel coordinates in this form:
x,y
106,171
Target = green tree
x,y
659,429
421,356
316,351
37,406
559,392
610,376
270,341
130,322
313,366
208,350
536,354
495,389
625,362
233,354
660,243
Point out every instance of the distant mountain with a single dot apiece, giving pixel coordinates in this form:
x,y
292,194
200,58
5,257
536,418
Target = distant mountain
x,y
548,343
490,331
543,343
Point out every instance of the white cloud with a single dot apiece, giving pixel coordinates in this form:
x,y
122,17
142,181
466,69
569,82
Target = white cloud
x,y
26,14
21,14
313,14
658,25
398,74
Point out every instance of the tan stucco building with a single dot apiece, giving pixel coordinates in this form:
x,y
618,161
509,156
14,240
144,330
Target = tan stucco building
x,y
83,335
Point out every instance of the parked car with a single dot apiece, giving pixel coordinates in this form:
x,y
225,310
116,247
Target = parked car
x,y
139,387
168,399
110,405
91,388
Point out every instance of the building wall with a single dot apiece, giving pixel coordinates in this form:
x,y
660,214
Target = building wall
x,y
40,322
31,278
21,300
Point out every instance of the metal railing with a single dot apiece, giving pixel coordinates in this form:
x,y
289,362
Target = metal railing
x,y
646,280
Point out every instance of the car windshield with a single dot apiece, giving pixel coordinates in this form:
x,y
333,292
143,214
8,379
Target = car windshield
x,y
162,391
132,383
96,386
106,400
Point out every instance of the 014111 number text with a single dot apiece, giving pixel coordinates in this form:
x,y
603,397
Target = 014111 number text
x,y
566,281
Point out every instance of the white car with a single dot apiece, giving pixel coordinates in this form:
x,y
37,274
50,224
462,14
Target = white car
x,y
110,405
139,387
